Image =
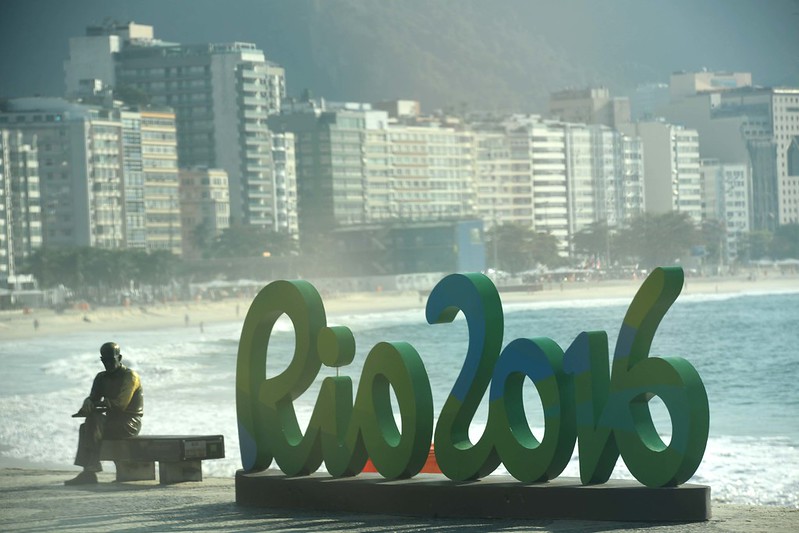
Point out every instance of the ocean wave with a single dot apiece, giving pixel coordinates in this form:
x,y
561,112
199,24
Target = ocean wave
x,y
721,297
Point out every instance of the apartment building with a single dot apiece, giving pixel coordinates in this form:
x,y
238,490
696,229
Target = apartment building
x,y
544,144
205,207
20,205
556,177
80,169
108,175
221,93
550,179
285,183
726,199
161,181
587,159
330,163
503,182
631,191
432,170
785,113
357,165
92,56
605,171
133,181
742,124
672,175
150,179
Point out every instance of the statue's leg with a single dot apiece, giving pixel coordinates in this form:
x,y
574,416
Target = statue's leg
x,y
122,427
89,439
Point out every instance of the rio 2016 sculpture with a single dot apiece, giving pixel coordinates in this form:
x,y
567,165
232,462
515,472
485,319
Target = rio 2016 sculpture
x,y
605,410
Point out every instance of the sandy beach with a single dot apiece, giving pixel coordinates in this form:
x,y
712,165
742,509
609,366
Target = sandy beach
x,y
17,324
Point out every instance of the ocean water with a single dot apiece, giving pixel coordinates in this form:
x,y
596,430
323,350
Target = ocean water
x,y
745,347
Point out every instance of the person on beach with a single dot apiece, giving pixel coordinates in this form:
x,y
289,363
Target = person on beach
x,y
113,410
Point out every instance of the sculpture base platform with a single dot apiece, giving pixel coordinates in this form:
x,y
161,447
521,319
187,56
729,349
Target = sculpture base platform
x,y
433,495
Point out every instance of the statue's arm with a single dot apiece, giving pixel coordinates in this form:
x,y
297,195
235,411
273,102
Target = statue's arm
x,y
93,399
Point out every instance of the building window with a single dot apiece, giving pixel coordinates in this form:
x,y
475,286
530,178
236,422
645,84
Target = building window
x,y
793,157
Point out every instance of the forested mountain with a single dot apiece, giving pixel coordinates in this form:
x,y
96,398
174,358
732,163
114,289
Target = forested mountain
x,y
498,54
446,54
510,54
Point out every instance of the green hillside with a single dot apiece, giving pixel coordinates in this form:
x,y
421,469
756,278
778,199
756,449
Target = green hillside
x,y
444,53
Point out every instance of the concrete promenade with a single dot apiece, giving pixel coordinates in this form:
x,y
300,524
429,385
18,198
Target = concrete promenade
x,y
38,501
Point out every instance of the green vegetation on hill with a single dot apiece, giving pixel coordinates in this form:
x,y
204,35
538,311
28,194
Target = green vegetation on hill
x,y
445,53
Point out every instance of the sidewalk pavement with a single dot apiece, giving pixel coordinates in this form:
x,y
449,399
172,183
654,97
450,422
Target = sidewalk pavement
x,y
38,501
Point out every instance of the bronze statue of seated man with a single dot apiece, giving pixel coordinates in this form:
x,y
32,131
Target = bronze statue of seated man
x,y
113,410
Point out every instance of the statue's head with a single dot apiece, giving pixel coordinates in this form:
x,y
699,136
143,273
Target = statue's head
x,y
110,356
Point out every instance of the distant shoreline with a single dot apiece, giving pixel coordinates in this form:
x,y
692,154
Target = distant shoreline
x,y
17,325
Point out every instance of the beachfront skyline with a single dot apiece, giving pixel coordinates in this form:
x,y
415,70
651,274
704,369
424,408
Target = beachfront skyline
x,y
593,157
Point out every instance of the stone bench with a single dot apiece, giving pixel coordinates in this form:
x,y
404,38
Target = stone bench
x,y
179,457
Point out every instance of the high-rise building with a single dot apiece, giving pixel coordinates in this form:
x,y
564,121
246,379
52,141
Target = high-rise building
x,y
205,207
356,165
108,174
150,182
432,169
91,56
556,177
161,181
133,181
740,124
671,167
546,144
80,169
330,148
726,199
785,117
585,186
503,179
631,192
20,205
285,183
617,172
550,179
221,94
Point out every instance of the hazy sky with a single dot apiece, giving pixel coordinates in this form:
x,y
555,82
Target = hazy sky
x,y
655,37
